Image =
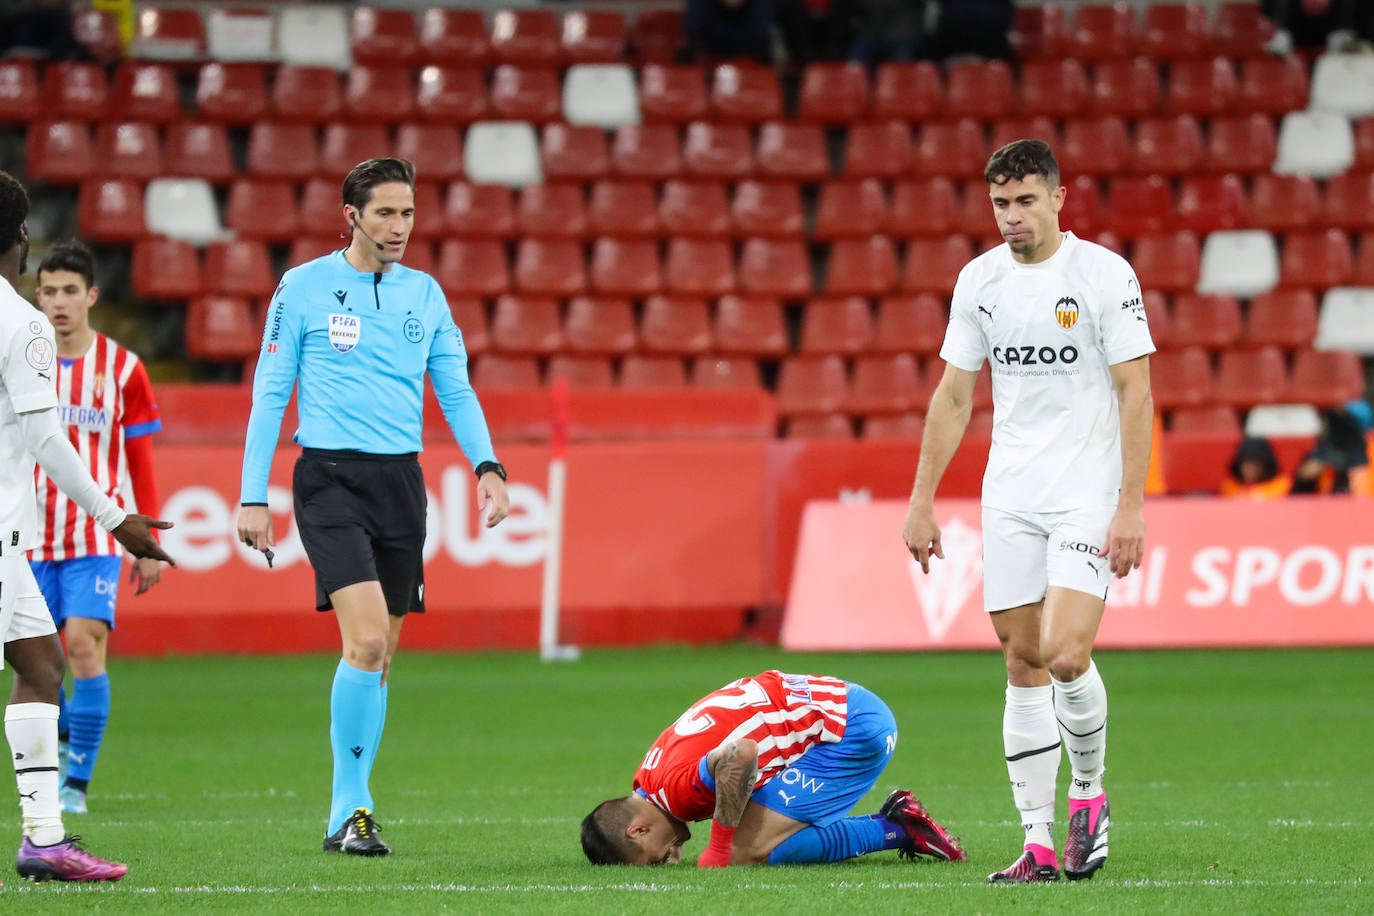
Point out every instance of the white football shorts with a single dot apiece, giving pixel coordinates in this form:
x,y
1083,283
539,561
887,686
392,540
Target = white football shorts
x,y
1026,552
23,611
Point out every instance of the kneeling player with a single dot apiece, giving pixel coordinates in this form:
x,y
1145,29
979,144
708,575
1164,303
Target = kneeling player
x,y
776,761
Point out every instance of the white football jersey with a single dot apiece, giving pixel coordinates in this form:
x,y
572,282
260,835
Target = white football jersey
x,y
1050,332
28,355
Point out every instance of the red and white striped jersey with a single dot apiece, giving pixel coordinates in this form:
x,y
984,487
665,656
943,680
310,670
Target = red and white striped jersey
x,y
785,714
103,398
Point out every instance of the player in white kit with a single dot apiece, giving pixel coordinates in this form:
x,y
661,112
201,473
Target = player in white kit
x,y
1062,323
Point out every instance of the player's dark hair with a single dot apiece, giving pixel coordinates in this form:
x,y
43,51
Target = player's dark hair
x,y
603,833
1021,158
14,209
73,256
357,187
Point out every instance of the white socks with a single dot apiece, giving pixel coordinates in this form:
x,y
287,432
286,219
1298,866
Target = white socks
x,y
1081,708
1031,739
31,730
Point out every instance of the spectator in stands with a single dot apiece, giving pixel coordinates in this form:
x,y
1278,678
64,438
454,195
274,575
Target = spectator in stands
x,y
883,30
1255,473
814,29
1339,462
976,28
726,29
1340,25
38,28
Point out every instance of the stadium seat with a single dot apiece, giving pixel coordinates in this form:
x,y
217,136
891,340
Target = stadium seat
x,y
725,372
1315,259
502,152
749,327
603,95
907,91
1248,377
656,35
980,424
1094,146
529,36
221,328
1283,421
1107,32
691,208
549,267
1082,212
713,150
182,208
1240,29
1346,321
344,144
1350,201
1038,31
1173,31
314,36
195,150
1213,419
1203,87
454,37
673,93
472,267
1364,145
625,207
922,206
451,95
979,89
839,325
308,248
775,267
1318,143
435,149
1127,87
471,317
975,217
907,323
676,325
1241,143
933,264
878,150
594,36
526,325
850,208
575,153
98,32
1167,145
1169,262
1212,320
60,152
556,209
384,37
321,206
144,92
20,98
168,33
812,385
240,267
1282,318
1272,85
479,211
835,426
525,93
240,35
625,267
791,151
745,92
1364,261
1181,378
77,91
1160,316
886,426
862,266
648,151
1139,206
1210,203
1007,130
1280,203
263,208
1242,263
886,383
165,269
501,372
767,209
833,93
110,210
600,326
640,371
956,149
419,254
231,93
306,94
377,93
1344,83
1054,88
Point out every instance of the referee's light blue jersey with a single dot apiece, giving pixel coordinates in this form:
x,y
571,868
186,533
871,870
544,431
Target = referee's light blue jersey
x,y
357,345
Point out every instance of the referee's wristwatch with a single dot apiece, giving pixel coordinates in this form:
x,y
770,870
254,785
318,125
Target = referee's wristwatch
x,y
490,467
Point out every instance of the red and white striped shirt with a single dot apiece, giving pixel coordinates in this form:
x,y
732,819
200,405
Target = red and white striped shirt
x,y
103,398
785,714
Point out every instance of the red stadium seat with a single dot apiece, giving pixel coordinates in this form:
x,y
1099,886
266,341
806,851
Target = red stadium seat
x,y
1053,88
835,426
647,151
1007,130
479,211
1282,203
907,91
861,266
471,317
1083,212
745,92
1169,262
552,209
242,267
98,32
549,267
1325,378
346,143
1315,259
1204,87
913,324
1246,378
144,92
1364,263
231,93
308,248
1210,203
20,99
811,385
851,208
262,208
436,150
454,37
625,267
1282,318
1272,85
451,95
1160,316
575,152
526,94
792,151
717,150
1094,146
767,208
501,372
321,206
843,325
429,216
624,207
594,36
975,217
922,206
775,267
957,149
527,36
165,269
75,90
884,426
1364,145
656,35
59,152
886,383
673,93
306,94
379,93
527,325
717,372
1108,32
932,265
833,93
677,325
878,150
1350,201
110,210
1212,321
1216,419
691,208
386,37
599,326
1243,143
199,151
1168,145
419,253
1240,30
1038,31
1140,206
749,327
1174,30
979,89
221,328
1181,378
1127,87
475,267
128,150
640,371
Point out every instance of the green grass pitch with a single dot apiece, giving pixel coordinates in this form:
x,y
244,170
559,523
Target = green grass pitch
x,y
1240,781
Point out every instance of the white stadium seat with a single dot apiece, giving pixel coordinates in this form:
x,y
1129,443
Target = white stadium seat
x,y
1346,321
1318,143
314,36
1243,263
183,208
602,95
1344,84
1279,421
240,35
502,152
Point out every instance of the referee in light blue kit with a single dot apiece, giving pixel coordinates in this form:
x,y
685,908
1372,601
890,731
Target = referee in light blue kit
x,y
357,331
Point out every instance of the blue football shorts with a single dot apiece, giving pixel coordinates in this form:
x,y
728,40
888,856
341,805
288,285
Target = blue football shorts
x,y
80,587
829,779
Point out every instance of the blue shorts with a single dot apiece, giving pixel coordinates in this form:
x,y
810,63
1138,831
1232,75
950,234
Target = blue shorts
x,y
80,587
829,779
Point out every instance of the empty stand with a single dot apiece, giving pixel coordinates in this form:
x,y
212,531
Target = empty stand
x,y
306,93
436,150
1173,31
1140,206
221,328
818,426
600,94
75,90
722,371
1241,262
231,93
811,385
792,151
625,267
1243,143
576,153
922,206
627,207
1344,83
886,383
979,89
314,36
454,36
262,208
451,95
1201,87
1282,318
641,371
499,371
878,150
1315,259
1082,212
1094,146
1052,88
479,211
1167,145
690,208
236,34
1346,321
1280,203
775,267
1170,262
1272,85
1212,320
526,325
850,208
168,33
1107,32
594,36
843,325
165,269
766,208
344,144
715,150
525,93
1211,203
1319,143
745,92
199,150
1161,320
471,317
549,267
183,208
1350,201
833,93
385,37
884,426
1127,87
932,265
20,99
1249,377
379,93
1181,378
675,325
1007,130
646,151
1283,421
502,152
1214,419
111,210
240,267
956,149
656,35
1240,29
748,326
472,267
581,371
144,92
526,36
862,266
59,152
907,91
552,209
602,326
674,93
910,323
1038,31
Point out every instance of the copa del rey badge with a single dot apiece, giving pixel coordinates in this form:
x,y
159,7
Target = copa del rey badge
x,y
344,331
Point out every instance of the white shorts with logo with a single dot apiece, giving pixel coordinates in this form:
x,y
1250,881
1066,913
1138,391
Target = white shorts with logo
x,y
23,612
1026,552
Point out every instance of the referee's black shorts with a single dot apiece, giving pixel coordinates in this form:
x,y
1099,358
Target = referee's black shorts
x,y
361,518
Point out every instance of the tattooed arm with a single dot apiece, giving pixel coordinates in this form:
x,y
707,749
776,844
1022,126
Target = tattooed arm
x,y
734,765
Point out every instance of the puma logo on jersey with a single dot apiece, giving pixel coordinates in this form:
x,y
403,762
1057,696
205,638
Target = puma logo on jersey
x,y
786,799
987,312
78,759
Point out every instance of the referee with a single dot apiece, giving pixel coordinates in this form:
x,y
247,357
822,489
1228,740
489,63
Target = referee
x,y
356,332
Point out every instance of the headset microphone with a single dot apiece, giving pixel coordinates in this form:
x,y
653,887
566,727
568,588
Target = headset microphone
x,y
380,246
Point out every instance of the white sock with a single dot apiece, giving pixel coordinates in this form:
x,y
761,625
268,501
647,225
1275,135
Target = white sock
x,y
1031,739
31,730
1081,708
